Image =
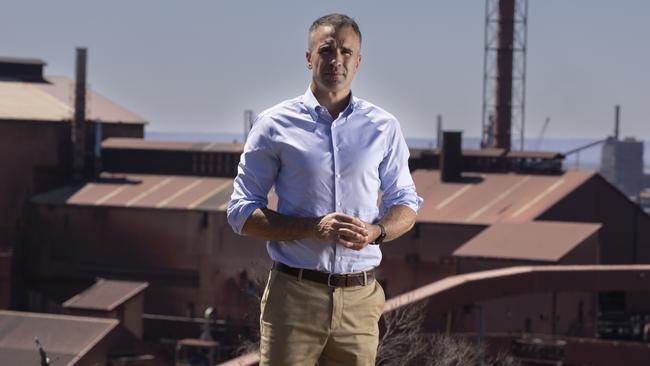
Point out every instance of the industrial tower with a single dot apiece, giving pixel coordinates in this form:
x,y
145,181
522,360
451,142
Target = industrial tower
x,y
504,73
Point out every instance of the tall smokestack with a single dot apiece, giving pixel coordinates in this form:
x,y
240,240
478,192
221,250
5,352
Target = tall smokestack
x,y
505,39
78,131
451,156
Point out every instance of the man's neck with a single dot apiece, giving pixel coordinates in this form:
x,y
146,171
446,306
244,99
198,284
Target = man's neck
x,y
335,102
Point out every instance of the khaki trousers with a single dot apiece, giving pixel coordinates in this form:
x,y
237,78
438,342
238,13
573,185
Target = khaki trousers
x,y
308,323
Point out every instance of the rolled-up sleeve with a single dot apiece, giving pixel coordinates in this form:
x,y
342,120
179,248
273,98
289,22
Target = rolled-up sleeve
x,y
256,173
396,182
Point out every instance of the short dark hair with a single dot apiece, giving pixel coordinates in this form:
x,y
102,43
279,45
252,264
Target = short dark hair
x,y
335,20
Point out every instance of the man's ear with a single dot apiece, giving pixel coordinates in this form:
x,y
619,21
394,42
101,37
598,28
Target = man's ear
x,y
308,58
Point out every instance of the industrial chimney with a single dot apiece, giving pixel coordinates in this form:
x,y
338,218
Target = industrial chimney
x,y
505,39
504,73
78,131
451,156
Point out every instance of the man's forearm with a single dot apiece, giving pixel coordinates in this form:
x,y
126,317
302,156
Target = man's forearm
x,y
267,224
398,220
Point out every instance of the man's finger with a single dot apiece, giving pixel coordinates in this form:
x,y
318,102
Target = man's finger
x,y
345,243
357,229
352,236
345,218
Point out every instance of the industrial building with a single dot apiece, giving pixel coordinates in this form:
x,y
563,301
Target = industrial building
x,y
36,147
98,223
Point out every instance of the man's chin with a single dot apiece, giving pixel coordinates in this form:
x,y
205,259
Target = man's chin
x,y
334,85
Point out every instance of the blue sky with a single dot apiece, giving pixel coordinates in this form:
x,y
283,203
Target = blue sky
x,y
195,66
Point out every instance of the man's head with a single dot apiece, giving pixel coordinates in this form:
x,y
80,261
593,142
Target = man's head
x,y
334,52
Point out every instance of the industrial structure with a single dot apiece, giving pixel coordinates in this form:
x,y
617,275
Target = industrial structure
x,y
123,243
504,73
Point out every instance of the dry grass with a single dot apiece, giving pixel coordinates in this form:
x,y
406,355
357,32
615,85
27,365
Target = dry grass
x,y
403,343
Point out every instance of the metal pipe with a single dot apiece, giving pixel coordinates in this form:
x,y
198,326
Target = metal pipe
x,y
78,133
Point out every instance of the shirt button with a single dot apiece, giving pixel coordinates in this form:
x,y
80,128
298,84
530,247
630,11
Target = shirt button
x,y
338,175
338,203
338,148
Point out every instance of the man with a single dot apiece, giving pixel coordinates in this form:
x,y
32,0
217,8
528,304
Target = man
x,y
328,154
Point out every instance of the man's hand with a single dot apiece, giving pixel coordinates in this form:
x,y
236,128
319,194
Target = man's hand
x,y
346,230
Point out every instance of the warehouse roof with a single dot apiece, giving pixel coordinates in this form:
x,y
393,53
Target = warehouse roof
x,y
533,241
54,101
140,144
489,198
65,338
147,191
105,295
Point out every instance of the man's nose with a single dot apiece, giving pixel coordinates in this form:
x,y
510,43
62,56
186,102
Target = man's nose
x,y
337,59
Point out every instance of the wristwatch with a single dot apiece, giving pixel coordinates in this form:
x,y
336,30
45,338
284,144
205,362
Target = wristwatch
x,y
382,235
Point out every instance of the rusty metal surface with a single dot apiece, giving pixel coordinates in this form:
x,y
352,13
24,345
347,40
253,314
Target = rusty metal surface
x,y
536,241
489,198
492,152
478,286
145,191
535,154
140,144
105,295
68,337
55,102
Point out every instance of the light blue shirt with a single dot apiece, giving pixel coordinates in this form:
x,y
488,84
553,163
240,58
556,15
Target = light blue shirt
x,y
321,165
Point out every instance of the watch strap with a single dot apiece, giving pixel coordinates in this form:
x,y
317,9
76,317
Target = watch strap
x,y
382,235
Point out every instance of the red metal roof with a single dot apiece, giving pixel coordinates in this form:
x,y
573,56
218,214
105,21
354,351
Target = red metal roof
x,y
146,191
105,295
140,144
535,241
488,198
55,102
64,338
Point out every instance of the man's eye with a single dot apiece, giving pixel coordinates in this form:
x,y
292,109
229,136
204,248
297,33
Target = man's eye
x,y
325,50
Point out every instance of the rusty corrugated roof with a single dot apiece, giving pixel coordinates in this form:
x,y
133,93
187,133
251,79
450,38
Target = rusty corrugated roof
x,y
489,197
54,101
146,191
140,144
534,241
105,295
65,338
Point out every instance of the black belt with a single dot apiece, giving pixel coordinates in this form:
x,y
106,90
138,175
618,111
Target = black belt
x,y
329,279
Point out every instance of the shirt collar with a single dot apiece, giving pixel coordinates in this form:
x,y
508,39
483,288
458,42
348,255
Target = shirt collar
x,y
310,101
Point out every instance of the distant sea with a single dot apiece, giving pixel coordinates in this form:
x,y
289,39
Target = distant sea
x,y
588,159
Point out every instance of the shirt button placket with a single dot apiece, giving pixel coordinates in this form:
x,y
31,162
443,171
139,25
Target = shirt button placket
x,y
336,258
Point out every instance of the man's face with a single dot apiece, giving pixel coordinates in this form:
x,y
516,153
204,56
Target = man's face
x,y
334,57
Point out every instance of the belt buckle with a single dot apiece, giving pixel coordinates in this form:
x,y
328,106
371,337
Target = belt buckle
x,y
329,283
